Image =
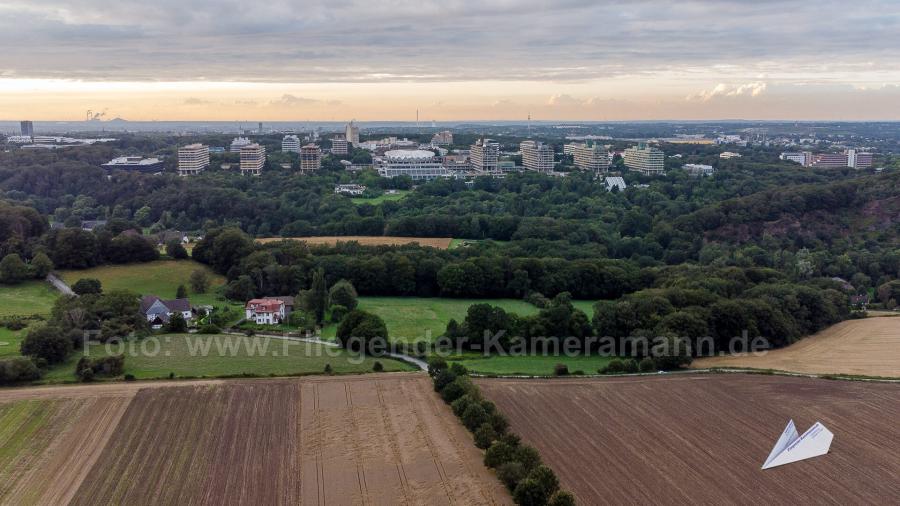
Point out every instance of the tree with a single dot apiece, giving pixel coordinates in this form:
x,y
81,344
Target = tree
x,y
363,332
175,250
181,292
344,294
315,300
511,473
13,270
537,488
176,323
85,286
41,265
47,342
199,281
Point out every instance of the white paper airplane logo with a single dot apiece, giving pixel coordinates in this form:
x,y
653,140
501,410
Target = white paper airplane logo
x,y
792,447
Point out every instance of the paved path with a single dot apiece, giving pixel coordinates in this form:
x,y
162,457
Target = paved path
x,y
60,285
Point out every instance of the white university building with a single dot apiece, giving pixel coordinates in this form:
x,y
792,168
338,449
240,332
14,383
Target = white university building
x,y
192,159
253,159
418,164
647,160
537,156
290,144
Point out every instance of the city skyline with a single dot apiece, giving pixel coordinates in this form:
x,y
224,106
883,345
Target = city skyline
x,y
452,60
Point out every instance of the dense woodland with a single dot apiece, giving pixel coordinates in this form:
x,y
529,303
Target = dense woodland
x,y
755,248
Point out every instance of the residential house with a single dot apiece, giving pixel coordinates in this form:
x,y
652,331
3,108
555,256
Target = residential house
x,y
265,311
158,311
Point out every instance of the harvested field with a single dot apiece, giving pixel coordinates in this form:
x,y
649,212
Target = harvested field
x,y
702,438
869,347
434,242
375,439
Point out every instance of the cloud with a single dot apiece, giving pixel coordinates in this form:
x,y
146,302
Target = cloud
x,y
563,100
753,89
288,100
196,101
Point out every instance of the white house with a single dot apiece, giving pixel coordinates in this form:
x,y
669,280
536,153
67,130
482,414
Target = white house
x,y
158,311
615,182
265,311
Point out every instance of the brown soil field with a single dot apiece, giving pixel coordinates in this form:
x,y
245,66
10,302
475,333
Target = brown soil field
x,y
373,439
702,438
434,242
868,347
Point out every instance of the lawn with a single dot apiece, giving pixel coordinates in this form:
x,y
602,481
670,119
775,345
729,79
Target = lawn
x,y
385,197
224,355
410,319
587,306
25,299
533,365
10,340
160,278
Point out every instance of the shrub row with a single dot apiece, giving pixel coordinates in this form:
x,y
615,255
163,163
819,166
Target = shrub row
x,y
518,465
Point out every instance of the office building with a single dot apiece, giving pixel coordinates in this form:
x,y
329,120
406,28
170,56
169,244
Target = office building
x,y
804,158
588,156
135,163
727,155
699,170
253,159
310,158
290,144
444,138
192,159
484,155
537,156
339,146
418,164
352,133
27,128
238,143
858,160
647,160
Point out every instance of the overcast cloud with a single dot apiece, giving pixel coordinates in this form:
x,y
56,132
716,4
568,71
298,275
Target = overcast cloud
x,y
450,40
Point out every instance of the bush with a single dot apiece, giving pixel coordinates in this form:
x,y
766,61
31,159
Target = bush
x,y
87,368
456,389
175,250
129,377
538,300
209,328
498,422
647,365
460,405
615,366
562,498
474,416
338,312
537,488
378,366
199,281
436,365
363,332
442,379
560,370
528,456
499,453
176,323
86,286
631,366
328,369
18,370
511,473
485,436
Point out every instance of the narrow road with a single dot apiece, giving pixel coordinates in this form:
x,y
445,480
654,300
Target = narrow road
x,y
60,285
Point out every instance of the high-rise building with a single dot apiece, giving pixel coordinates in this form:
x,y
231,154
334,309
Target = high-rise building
x,y
310,158
290,144
444,138
858,160
699,170
192,159
647,160
537,156
804,158
27,128
484,155
253,159
352,133
418,164
588,156
238,143
339,146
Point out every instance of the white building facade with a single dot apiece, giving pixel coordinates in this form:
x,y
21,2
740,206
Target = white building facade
x,y
418,164
192,159
253,159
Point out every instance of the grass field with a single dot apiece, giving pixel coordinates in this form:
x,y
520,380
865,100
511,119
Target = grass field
x,y
385,197
366,240
533,365
10,341
411,319
31,297
152,278
226,355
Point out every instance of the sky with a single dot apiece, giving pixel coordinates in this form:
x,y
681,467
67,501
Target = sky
x,y
587,60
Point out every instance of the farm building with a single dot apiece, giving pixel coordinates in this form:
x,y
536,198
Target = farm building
x,y
158,311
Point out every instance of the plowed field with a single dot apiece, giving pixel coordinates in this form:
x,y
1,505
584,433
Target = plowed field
x,y
701,439
374,439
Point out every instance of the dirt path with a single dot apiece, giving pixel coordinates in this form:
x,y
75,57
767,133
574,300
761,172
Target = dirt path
x,y
869,347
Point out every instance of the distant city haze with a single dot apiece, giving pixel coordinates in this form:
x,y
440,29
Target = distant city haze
x,y
450,61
